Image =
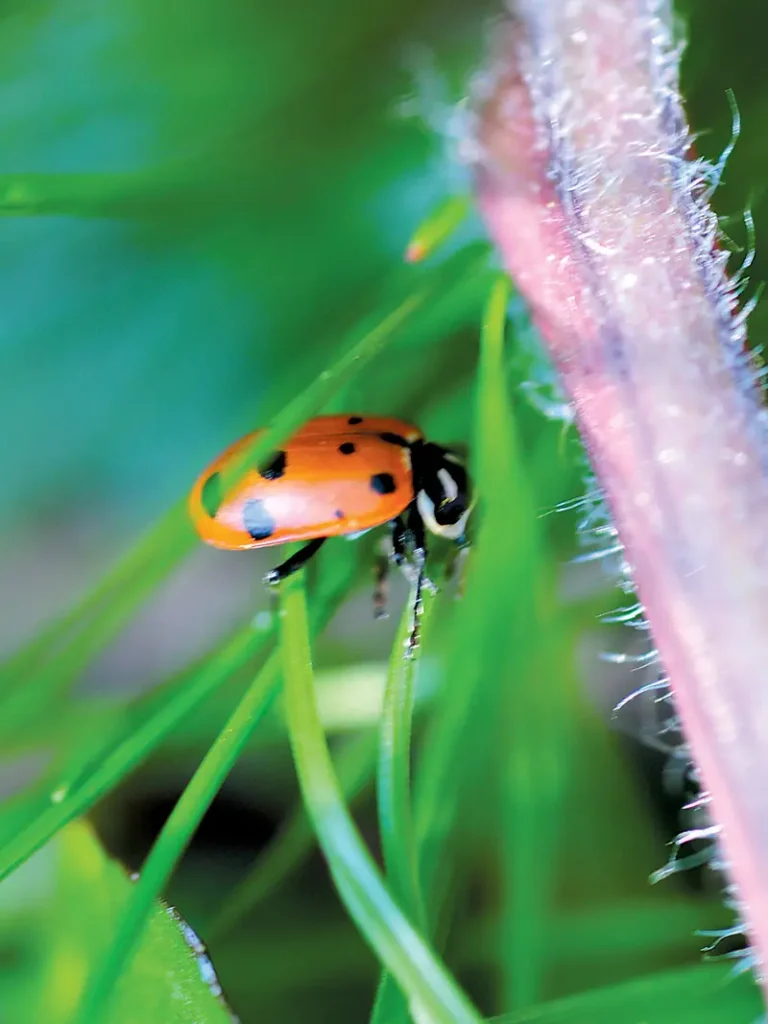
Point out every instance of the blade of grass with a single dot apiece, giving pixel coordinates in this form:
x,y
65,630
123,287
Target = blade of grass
x,y
478,713
143,740
278,956
59,669
532,661
95,194
174,838
464,715
120,581
400,947
355,767
704,994
510,510
87,729
126,756
90,750
458,722
394,802
394,770
437,227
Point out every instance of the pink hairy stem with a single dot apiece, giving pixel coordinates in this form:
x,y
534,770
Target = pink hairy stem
x,y
586,180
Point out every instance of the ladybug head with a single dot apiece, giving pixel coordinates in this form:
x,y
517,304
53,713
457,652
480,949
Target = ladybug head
x,y
442,491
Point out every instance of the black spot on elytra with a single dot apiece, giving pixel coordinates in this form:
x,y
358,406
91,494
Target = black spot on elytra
x,y
339,514
257,520
354,419
211,496
383,483
397,439
275,469
347,448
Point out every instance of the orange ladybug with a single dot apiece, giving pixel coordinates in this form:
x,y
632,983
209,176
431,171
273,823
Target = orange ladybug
x,y
338,476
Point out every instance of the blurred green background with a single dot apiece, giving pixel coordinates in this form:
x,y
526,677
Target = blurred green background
x,y
201,201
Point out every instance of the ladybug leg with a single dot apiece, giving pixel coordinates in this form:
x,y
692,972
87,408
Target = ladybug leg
x,y
380,588
295,562
400,541
419,548
394,549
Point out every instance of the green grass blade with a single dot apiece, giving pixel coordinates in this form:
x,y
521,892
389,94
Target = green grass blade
x,y
533,768
394,801
150,733
32,677
704,994
88,194
400,947
495,658
456,725
175,837
393,780
437,227
355,768
127,755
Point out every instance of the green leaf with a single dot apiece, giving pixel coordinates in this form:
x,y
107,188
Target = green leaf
x,y
163,984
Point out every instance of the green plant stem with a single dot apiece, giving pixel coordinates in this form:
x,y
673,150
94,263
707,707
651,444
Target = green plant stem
x,y
176,835
395,940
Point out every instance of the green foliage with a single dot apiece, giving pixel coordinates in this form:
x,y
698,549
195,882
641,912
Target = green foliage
x,y
215,204
89,897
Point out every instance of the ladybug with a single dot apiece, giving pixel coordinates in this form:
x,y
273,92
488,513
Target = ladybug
x,y
339,476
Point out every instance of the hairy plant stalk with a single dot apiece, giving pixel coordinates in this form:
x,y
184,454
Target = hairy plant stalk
x,y
586,179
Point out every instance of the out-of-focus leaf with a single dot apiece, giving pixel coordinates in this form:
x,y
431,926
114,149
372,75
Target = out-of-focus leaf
x,y
167,983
